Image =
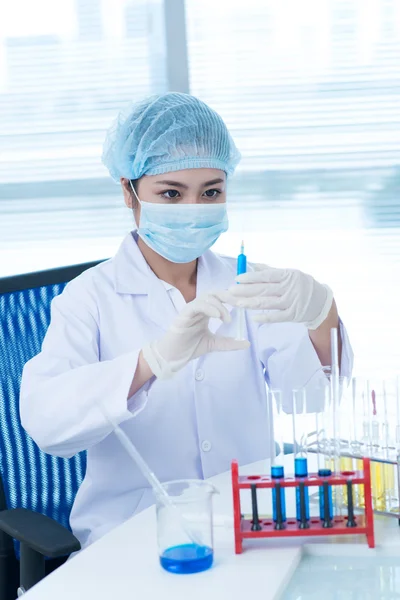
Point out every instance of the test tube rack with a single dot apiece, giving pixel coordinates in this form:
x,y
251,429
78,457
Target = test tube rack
x,y
266,528
395,462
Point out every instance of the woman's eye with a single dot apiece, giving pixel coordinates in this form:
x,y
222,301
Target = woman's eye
x,y
212,193
170,194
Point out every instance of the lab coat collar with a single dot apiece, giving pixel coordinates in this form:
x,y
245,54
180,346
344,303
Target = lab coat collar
x,y
132,275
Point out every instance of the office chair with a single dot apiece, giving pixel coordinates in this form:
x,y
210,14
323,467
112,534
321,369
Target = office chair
x,y
36,490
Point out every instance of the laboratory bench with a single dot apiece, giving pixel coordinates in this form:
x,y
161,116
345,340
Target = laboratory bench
x,y
124,563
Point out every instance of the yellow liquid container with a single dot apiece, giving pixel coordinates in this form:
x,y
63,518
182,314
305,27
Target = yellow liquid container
x,y
389,479
346,464
378,486
391,492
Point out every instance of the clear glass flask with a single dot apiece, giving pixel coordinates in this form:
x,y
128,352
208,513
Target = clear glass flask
x,y
190,515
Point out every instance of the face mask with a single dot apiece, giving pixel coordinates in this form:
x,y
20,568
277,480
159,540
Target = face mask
x,y
181,232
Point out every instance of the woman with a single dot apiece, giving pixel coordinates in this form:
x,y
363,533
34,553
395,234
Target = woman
x,y
150,332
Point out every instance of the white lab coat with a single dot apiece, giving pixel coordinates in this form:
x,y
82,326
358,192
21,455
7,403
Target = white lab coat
x,y
190,426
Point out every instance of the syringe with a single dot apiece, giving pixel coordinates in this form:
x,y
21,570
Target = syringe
x,y
241,268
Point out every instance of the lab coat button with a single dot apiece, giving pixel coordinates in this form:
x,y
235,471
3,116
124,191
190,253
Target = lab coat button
x,y
199,375
206,446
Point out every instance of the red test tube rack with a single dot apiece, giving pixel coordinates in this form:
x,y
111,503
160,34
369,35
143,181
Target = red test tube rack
x,y
244,528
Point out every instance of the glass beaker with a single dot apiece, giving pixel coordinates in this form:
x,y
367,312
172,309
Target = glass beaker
x,y
185,529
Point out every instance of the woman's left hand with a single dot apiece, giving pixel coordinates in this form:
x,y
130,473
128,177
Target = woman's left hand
x,y
287,295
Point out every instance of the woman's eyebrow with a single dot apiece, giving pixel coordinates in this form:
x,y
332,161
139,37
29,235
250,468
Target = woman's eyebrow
x,y
173,183
184,186
213,182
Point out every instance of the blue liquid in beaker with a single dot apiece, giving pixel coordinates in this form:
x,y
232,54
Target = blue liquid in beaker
x,y
187,558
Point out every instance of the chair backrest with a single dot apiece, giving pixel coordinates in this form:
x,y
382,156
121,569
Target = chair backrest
x,y
31,479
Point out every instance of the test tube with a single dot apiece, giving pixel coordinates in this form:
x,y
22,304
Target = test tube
x,y
304,506
277,454
335,395
335,402
321,419
357,393
320,438
302,496
278,503
327,504
377,468
327,434
301,423
279,523
346,410
397,438
325,499
241,320
388,469
345,430
278,426
366,435
397,434
375,426
300,436
351,522
255,522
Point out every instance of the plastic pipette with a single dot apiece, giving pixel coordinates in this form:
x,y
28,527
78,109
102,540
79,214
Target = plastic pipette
x,y
155,484
241,268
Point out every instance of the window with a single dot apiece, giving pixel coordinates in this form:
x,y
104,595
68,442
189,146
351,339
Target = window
x,y
66,68
311,93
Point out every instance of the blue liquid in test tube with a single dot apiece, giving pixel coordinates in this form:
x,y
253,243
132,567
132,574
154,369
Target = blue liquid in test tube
x,y
301,470
325,473
277,472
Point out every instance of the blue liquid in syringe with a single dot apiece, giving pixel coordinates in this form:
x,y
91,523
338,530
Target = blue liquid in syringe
x,y
187,558
241,266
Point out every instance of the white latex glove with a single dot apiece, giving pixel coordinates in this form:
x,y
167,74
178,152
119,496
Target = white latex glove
x,y
287,295
189,337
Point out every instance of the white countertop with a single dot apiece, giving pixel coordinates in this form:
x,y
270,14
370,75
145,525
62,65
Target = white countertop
x,y
124,563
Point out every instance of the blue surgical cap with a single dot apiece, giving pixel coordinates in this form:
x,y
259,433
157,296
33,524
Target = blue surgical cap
x,y
168,133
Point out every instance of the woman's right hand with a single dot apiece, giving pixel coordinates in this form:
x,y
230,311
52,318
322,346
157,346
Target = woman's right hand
x,y
189,337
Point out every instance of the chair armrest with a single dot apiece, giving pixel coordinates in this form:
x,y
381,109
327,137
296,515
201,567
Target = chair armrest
x,y
38,532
